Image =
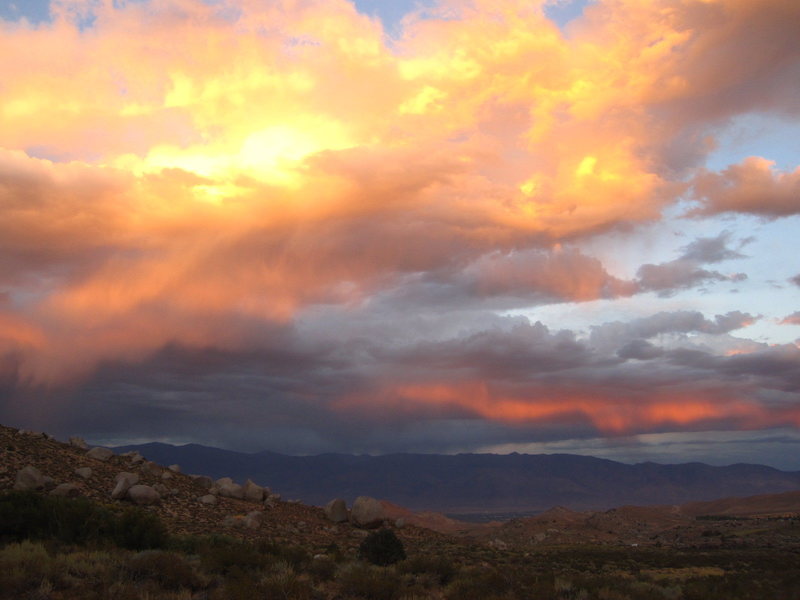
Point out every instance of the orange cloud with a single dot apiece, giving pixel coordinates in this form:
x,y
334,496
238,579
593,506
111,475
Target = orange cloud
x,y
608,412
179,170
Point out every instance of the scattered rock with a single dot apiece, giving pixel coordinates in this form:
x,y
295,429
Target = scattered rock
x,y
336,510
498,544
78,442
100,453
143,494
34,434
252,492
203,481
233,521
253,519
150,468
123,481
228,489
69,490
400,523
208,499
30,478
84,472
367,512
162,489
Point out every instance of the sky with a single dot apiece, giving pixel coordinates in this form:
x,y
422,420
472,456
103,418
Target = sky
x,y
448,226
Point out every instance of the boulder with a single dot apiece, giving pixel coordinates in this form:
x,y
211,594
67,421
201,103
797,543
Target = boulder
x,y
123,482
150,468
143,494
336,510
69,490
253,519
133,456
30,478
167,475
84,472
233,521
209,499
228,489
175,468
100,453
203,481
78,442
252,491
367,512
162,489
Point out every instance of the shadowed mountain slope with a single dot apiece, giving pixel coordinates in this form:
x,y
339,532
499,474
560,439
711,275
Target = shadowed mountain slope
x,y
479,483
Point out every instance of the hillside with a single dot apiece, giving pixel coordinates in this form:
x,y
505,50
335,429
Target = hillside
x,y
468,484
221,546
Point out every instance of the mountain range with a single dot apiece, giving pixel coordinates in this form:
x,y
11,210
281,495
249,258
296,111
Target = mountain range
x,y
475,484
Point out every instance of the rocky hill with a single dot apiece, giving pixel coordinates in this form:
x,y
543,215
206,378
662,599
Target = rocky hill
x,y
188,503
469,484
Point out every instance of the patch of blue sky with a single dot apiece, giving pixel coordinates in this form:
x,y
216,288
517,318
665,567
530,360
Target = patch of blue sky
x,y
561,12
34,11
772,137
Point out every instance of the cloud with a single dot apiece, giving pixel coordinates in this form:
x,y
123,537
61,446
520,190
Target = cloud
x,y
752,186
792,319
272,215
685,272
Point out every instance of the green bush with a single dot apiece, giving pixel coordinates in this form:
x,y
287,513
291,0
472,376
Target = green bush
x,y
382,548
28,515
137,529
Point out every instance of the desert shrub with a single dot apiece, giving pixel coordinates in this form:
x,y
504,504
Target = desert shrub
x,y
296,556
478,584
282,582
168,569
23,568
366,581
225,555
28,515
439,567
322,568
137,529
382,548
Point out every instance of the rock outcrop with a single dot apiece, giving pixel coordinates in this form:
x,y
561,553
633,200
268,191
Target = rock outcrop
x,y
367,512
252,492
100,453
143,494
84,472
69,490
78,442
123,482
30,478
336,510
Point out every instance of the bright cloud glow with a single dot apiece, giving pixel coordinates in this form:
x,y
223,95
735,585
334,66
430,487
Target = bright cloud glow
x,y
328,229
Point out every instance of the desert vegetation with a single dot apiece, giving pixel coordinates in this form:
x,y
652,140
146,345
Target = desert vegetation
x,y
65,548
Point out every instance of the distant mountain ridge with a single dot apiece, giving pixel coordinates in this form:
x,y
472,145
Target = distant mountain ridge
x,y
478,483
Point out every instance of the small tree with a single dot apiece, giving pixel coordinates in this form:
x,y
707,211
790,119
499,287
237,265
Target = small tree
x,y
382,548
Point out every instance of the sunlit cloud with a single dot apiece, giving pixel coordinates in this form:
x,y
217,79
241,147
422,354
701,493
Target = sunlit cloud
x,y
223,175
